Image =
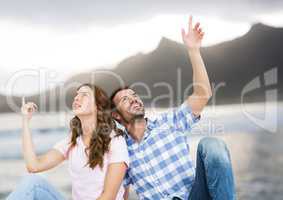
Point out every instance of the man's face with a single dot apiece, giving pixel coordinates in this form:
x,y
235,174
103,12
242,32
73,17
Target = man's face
x,y
128,104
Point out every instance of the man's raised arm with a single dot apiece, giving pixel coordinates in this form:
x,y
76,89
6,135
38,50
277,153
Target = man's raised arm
x,y
201,86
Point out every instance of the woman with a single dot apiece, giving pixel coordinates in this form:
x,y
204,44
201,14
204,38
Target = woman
x,y
97,154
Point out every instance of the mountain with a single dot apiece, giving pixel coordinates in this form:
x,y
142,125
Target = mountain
x,y
231,66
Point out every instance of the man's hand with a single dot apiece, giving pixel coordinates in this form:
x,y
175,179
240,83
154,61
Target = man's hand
x,y
192,39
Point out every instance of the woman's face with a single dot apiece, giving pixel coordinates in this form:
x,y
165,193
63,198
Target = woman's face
x,y
84,102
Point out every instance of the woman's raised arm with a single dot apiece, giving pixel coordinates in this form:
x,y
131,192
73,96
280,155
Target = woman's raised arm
x,y
35,163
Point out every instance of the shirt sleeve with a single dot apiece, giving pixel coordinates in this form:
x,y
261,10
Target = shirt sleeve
x,y
63,147
180,118
127,179
118,151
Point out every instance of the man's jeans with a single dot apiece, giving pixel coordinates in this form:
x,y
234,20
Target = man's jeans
x,y
214,176
34,187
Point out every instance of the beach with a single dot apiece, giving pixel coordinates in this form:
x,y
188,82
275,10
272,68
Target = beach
x,y
257,158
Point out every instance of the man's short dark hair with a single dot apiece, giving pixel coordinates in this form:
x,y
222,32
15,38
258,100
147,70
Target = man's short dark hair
x,y
113,106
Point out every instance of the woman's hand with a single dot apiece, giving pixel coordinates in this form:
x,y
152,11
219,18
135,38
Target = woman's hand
x,y
192,39
28,109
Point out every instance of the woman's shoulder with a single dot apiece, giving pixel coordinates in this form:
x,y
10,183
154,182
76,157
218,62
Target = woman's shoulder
x,y
63,145
118,149
117,139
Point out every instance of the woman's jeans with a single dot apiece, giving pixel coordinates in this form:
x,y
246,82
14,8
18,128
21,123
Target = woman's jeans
x,y
35,187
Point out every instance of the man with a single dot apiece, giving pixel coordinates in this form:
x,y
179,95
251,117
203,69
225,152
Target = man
x,y
160,164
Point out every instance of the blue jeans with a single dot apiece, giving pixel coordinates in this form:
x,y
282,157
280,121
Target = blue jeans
x,y
214,175
35,187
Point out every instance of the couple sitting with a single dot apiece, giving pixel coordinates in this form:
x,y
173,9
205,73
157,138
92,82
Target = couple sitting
x,y
152,155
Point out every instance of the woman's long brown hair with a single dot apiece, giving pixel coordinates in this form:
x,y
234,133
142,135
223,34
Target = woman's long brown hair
x,y
100,140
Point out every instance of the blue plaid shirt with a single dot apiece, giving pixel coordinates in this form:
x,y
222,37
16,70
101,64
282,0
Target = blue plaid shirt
x,y
160,165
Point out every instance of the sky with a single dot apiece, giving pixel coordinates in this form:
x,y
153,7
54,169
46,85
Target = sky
x,y
62,38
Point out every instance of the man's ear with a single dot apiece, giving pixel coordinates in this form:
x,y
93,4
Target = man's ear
x,y
116,116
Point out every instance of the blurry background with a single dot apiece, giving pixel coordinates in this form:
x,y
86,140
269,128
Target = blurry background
x,y
48,48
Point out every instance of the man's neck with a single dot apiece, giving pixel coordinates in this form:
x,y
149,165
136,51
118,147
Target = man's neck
x,y
137,129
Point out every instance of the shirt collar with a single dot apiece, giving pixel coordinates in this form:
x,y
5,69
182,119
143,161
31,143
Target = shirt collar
x,y
149,127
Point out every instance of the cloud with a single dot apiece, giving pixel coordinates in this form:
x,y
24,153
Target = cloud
x,y
72,13
68,35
